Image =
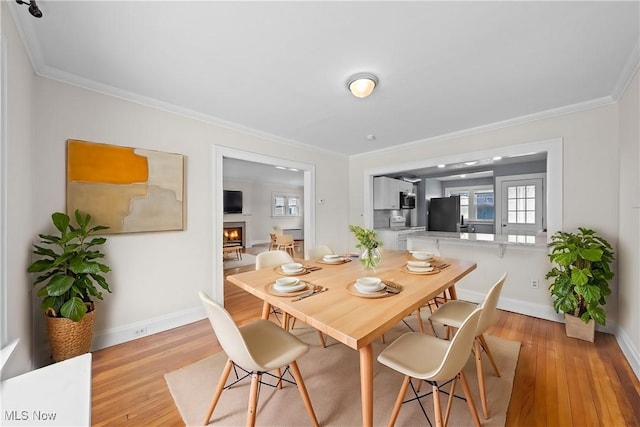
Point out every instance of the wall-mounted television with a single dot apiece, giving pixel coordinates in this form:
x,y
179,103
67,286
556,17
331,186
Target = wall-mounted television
x,y
232,201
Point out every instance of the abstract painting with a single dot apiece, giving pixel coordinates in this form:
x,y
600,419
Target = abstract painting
x,y
128,189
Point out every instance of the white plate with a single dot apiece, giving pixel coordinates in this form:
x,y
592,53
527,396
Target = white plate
x,y
287,289
369,289
292,267
419,269
418,264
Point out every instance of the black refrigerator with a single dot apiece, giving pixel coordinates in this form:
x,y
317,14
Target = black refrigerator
x,y
444,213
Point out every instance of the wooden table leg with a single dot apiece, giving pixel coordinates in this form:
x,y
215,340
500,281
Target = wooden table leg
x,y
366,384
266,310
452,291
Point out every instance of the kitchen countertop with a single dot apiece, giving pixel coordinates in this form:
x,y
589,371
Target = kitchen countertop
x,y
539,240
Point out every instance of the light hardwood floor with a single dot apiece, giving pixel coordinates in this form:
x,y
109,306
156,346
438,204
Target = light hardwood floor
x,y
559,381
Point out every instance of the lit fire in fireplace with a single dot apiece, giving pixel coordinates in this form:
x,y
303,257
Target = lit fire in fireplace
x,y
232,234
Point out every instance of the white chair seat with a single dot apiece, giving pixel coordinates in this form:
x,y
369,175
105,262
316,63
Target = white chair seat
x,y
271,346
453,313
407,355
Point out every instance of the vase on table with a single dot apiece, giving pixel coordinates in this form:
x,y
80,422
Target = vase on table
x,y
370,258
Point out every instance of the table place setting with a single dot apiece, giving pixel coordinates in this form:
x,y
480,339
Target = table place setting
x,y
420,267
291,269
373,287
333,259
289,287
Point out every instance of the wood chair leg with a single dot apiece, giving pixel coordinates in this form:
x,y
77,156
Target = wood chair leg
x,y
420,325
303,392
219,389
399,399
485,346
437,411
479,371
450,400
470,404
322,341
253,400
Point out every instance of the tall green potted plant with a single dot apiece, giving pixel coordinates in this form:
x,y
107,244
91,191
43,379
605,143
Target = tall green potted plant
x,y
70,275
581,275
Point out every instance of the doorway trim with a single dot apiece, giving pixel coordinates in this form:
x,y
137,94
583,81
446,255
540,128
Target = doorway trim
x,y
219,153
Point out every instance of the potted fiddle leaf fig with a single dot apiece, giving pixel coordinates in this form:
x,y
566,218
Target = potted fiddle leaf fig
x,y
581,276
70,275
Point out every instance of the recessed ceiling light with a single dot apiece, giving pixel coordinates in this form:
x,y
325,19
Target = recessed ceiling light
x,y
281,167
442,166
463,176
497,158
470,163
294,170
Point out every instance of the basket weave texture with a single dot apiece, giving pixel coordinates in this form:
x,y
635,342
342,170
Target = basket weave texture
x,y
68,338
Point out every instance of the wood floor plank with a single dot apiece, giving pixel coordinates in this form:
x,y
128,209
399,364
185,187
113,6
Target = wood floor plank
x,y
559,381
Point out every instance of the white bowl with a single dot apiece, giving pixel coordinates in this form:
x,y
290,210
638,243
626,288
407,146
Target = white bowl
x,y
422,255
332,258
418,264
292,267
369,282
287,281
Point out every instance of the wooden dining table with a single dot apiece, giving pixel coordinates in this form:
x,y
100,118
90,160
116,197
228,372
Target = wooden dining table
x,y
352,319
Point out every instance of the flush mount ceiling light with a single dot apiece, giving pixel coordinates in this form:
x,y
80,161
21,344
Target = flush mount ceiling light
x,y
361,85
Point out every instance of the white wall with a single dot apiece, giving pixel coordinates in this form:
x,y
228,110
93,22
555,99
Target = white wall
x,y
19,131
629,241
589,186
156,276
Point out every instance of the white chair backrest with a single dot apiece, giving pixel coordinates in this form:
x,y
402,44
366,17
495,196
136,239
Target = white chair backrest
x,y
320,251
489,305
228,334
459,349
272,259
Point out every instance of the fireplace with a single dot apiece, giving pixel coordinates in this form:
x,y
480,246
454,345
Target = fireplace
x,y
234,233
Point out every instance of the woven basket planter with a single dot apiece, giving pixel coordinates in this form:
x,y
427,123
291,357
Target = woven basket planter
x,y
576,328
68,338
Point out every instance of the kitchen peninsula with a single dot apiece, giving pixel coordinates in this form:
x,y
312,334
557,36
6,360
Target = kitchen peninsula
x,y
523,257
431,239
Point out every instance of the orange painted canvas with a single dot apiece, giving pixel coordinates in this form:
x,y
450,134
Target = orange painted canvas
x,y
128,189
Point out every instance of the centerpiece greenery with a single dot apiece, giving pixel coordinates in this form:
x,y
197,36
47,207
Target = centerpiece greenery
x,y
581,275
370,257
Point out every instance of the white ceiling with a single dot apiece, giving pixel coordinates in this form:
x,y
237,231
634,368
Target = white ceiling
x,y
280,68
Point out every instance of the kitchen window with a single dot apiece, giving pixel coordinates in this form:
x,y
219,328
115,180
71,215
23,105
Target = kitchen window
x,y
285,204
476,203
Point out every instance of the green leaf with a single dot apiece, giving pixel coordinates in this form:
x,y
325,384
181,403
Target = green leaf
x,y
61,221
591,254
578,277
74,309
59,285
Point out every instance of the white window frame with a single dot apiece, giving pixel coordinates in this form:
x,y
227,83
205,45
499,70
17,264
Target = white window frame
x,y
287,197
471,190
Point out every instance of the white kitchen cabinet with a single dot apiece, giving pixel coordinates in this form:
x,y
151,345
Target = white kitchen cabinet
x,y
405,187
386,193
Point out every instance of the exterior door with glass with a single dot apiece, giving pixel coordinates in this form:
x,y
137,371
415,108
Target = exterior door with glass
x,y
522,206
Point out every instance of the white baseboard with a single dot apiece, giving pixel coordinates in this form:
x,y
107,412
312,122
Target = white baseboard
x,y
631,353
126,333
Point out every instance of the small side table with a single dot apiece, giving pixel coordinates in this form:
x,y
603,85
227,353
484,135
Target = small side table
x,y
232,249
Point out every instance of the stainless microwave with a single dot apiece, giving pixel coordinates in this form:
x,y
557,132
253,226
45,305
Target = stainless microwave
x,y
407,200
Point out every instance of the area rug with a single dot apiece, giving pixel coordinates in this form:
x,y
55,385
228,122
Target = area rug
x,y
332,378
230,261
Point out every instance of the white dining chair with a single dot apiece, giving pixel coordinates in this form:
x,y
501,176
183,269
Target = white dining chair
x,y
452,314
257,348
436,361
276,258
320,251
